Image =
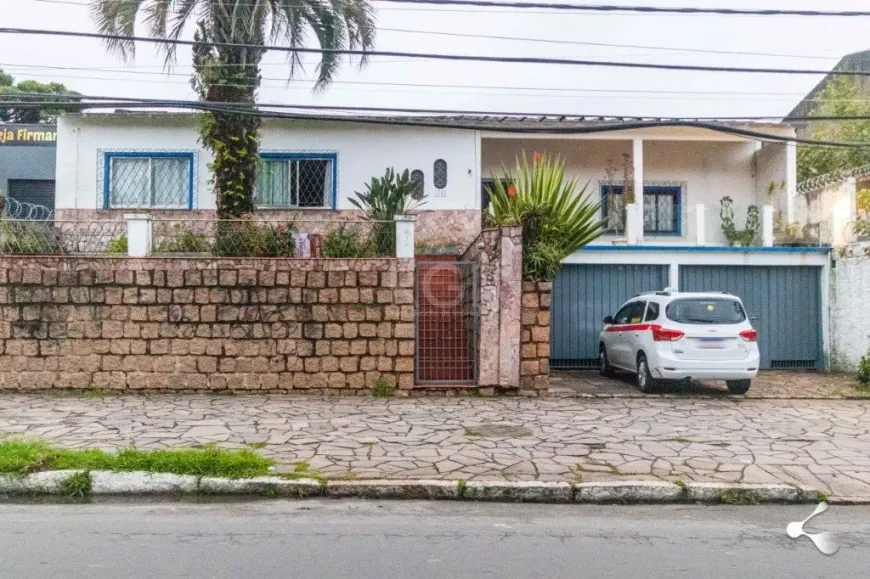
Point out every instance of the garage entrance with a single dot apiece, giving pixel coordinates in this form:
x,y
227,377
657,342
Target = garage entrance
x,y
783,303
582,296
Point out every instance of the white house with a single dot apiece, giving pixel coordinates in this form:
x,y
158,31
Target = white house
x,y
108,164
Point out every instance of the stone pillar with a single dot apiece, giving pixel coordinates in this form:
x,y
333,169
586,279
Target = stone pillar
x,y
535,363
138,234
510,290
405,235
485,251
767,226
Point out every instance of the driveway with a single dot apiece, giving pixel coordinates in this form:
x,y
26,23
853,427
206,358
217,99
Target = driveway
x,y
768,384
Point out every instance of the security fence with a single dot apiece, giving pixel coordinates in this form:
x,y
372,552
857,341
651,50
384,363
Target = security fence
x,y
254,237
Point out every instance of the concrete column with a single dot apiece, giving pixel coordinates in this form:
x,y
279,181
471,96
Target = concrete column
x,y
138,234
633,225
767,226
674,276
791,180
700,224
637,166
405,235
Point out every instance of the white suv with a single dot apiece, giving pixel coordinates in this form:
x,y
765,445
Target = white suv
x,y
669,335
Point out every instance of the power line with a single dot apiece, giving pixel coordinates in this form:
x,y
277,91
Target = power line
x,y
465,112
437,56
607,45
535,91
572,42
607,8
641,9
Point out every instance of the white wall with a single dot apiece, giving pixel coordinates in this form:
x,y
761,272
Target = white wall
x,y
364,151
850,308
708,171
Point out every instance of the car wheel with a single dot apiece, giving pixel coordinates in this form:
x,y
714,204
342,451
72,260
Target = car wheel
x,y
738,386
604,367
645,381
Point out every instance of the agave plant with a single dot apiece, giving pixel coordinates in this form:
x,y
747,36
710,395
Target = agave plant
x,y
556,219
386,197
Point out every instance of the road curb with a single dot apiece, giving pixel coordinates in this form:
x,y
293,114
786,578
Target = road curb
x,y
133,484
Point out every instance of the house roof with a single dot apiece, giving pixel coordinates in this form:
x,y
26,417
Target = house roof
x,y
495,123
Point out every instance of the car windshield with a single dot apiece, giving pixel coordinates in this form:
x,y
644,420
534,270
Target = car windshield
x,y
705,311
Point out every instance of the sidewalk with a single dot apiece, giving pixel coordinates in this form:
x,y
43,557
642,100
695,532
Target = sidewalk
x,y
821,443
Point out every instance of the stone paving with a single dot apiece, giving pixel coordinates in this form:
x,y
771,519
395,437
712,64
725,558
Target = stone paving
x,y
822,443
768,384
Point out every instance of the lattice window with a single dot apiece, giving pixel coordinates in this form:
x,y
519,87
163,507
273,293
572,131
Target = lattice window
x,y
419,179
149,180
296,181
661,208
439,174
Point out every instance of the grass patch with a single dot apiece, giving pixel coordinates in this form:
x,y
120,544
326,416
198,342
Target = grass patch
x,y
22,457
681,483
460,487
383,389
824,497
256,445
738,497
270,491
77,486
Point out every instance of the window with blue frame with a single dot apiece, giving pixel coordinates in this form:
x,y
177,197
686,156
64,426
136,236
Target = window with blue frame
x,y
140,179
296,180
661,208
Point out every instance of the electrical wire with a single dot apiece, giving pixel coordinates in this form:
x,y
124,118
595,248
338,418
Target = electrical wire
x,y
624,8
530,91
523,6
437,56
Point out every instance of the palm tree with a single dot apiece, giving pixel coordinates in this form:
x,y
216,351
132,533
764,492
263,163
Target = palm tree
x,y
231,74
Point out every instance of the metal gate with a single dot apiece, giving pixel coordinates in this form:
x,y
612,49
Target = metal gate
x,y
582,296
783,303
447,321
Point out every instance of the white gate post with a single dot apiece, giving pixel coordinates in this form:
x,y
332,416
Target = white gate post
x,y
405,235
138,234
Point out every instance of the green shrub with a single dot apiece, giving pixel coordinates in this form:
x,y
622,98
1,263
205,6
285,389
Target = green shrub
x,y
556,219
343,243
28,238
186,242
863,375
249,239
117,245
386,197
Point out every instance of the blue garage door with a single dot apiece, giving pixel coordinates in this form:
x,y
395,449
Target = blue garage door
x,y
783,303
582,296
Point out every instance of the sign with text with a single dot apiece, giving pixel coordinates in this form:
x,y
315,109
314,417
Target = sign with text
x,y
28,135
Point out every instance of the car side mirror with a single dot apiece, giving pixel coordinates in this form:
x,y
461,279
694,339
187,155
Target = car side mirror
x,y
608,319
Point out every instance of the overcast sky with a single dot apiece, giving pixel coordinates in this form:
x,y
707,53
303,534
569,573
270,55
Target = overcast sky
x,y
788,42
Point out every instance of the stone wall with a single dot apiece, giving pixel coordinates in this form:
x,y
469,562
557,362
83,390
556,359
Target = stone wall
x,y
850,308
218,324
535,365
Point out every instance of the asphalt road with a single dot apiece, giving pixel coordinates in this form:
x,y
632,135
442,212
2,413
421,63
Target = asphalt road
x,y
423,539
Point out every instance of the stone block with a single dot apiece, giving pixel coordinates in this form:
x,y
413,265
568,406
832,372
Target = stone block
x,y
628,492
519,492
